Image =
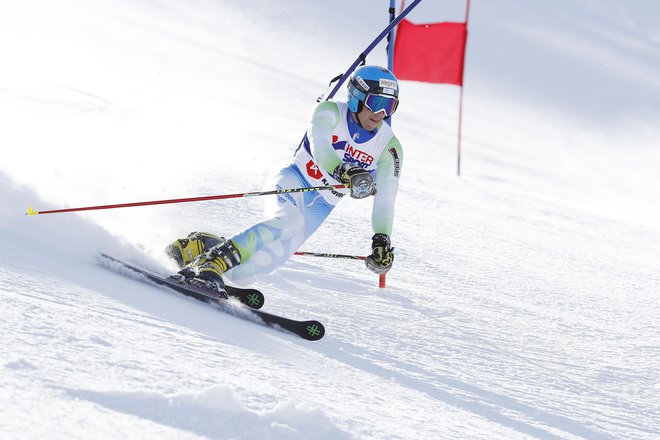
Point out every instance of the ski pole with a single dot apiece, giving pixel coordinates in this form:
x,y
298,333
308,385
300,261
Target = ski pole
x,y
318,254
382,280
31,211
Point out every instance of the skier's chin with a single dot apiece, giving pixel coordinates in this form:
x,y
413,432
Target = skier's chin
x,y
371,124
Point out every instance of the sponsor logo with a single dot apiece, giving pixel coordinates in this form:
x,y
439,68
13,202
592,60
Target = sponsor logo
x,y
362,83
352,155
283,198
397,161
313,170
387,83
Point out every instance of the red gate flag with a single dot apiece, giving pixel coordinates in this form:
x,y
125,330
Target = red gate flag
x,y
432,53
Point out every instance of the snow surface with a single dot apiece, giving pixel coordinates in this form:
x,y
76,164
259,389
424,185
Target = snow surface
x,y
524,299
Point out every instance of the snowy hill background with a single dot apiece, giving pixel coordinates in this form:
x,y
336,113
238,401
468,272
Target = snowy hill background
x,y
524,298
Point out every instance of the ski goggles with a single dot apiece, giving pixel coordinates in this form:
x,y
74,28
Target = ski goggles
x,y
381,103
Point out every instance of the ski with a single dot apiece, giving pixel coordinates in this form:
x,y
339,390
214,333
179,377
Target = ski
x,y
311,330
250,297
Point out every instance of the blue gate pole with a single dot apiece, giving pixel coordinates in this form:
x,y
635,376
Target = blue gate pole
x,y
390,38
369,48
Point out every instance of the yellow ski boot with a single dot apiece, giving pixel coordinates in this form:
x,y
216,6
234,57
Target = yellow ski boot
x,y
186,250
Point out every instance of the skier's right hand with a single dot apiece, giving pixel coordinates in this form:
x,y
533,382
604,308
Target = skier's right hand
x,y
357,179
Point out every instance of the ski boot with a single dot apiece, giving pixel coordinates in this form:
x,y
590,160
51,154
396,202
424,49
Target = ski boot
x,y
207,269
185,250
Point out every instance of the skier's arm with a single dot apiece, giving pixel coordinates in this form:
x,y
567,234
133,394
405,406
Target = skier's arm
x,y
324,120
387,186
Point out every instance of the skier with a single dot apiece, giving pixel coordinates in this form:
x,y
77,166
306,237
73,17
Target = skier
x,y
346,143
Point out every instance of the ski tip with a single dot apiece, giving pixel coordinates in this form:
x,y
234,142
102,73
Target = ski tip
x,y
313,331
31,211
254,299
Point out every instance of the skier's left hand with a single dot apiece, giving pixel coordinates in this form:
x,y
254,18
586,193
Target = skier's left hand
x,y
382,254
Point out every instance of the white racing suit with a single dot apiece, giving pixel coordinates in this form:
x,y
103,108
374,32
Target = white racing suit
x,y
332,138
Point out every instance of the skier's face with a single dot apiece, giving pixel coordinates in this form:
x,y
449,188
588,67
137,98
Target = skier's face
x,y
368,119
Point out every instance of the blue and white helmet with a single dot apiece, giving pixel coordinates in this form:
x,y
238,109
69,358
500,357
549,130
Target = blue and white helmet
x,y
375,87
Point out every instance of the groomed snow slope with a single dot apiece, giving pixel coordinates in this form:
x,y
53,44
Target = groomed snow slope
x,y
524,298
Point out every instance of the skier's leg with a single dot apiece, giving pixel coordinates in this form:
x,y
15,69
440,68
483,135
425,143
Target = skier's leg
x,y
292,218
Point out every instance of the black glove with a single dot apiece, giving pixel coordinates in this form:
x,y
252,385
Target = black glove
x,y
382,254
358,180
